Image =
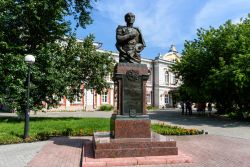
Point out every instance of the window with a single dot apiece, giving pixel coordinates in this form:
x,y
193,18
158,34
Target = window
x,y
173,79
148,98
166,77
105,97
150,76
78,99
166,98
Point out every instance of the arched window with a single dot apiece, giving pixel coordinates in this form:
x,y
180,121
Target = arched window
x,y
166,77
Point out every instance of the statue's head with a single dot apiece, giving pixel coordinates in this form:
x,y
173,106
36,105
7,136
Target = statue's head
x,y
129,18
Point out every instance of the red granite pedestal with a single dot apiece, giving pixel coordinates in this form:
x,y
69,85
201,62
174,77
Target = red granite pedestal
x,y
130,130
123,126
107,147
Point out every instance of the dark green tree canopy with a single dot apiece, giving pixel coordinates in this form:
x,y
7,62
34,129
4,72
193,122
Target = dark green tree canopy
x,y
39,28
216,66
29,23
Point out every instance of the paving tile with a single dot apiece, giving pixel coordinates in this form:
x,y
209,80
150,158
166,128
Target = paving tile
x,y
94,164
152,161
125,162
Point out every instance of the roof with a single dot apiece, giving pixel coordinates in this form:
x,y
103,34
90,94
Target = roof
x,y
172,55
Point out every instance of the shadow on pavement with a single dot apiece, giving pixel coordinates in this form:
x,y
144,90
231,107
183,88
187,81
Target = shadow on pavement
x,y
175,117
70,141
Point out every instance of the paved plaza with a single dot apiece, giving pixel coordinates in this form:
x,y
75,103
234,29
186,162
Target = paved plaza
x,y
227,143
18,155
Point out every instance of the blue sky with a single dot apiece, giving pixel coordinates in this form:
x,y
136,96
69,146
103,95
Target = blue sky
x,y
162,22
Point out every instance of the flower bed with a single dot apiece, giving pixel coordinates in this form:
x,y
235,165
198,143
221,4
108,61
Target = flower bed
x,y
165,129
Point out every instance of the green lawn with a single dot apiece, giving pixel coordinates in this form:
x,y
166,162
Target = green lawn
x,y
11,129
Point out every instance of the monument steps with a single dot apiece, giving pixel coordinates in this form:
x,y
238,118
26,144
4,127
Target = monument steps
x,y
128,145
136,152
107,147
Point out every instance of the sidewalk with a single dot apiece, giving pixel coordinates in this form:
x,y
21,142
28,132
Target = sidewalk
x,y
18,155
60,152
214,126
226,145
206,151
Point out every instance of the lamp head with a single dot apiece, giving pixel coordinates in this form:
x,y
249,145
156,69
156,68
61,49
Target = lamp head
x,y
77,58
29,59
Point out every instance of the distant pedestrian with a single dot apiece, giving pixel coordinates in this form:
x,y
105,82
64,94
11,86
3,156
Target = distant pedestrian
x,y
190,112
203,108
182,107
189,107
209,108
186,107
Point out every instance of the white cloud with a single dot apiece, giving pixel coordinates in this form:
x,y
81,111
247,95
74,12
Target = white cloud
x,y
166,22
217,12
156,18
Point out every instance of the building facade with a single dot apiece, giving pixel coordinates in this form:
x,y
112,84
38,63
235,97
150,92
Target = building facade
x,y
159,85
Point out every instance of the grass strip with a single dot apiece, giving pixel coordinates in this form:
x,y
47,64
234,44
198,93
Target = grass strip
x,y
11,129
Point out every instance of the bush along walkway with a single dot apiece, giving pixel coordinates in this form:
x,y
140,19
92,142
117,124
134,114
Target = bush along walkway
x,y
164,129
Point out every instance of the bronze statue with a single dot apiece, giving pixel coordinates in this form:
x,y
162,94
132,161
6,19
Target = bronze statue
x,y
129,41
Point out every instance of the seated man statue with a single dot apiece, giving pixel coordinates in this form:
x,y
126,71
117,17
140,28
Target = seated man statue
x,y
129,41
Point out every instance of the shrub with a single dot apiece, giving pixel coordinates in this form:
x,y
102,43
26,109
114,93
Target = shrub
x,y
246,114
164,129
106,107
152,108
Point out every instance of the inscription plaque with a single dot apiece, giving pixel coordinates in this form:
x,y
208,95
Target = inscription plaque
x,y
132,96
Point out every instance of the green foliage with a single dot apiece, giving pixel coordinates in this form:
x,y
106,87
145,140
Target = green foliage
x,y
39,28
246,115
234,115
216,67
152,108
11,129
106,107
174,130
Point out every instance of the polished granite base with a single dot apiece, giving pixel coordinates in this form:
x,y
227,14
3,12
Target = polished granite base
x,y
157,145
123,126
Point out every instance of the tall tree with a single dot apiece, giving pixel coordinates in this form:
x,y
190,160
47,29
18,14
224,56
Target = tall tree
x,y
215,66
39,28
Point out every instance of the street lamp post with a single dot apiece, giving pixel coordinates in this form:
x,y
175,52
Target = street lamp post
x,y
30,59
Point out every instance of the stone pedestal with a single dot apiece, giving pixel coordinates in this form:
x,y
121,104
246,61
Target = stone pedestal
x,y
130,85
123,126
130,119
107,147
130,130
